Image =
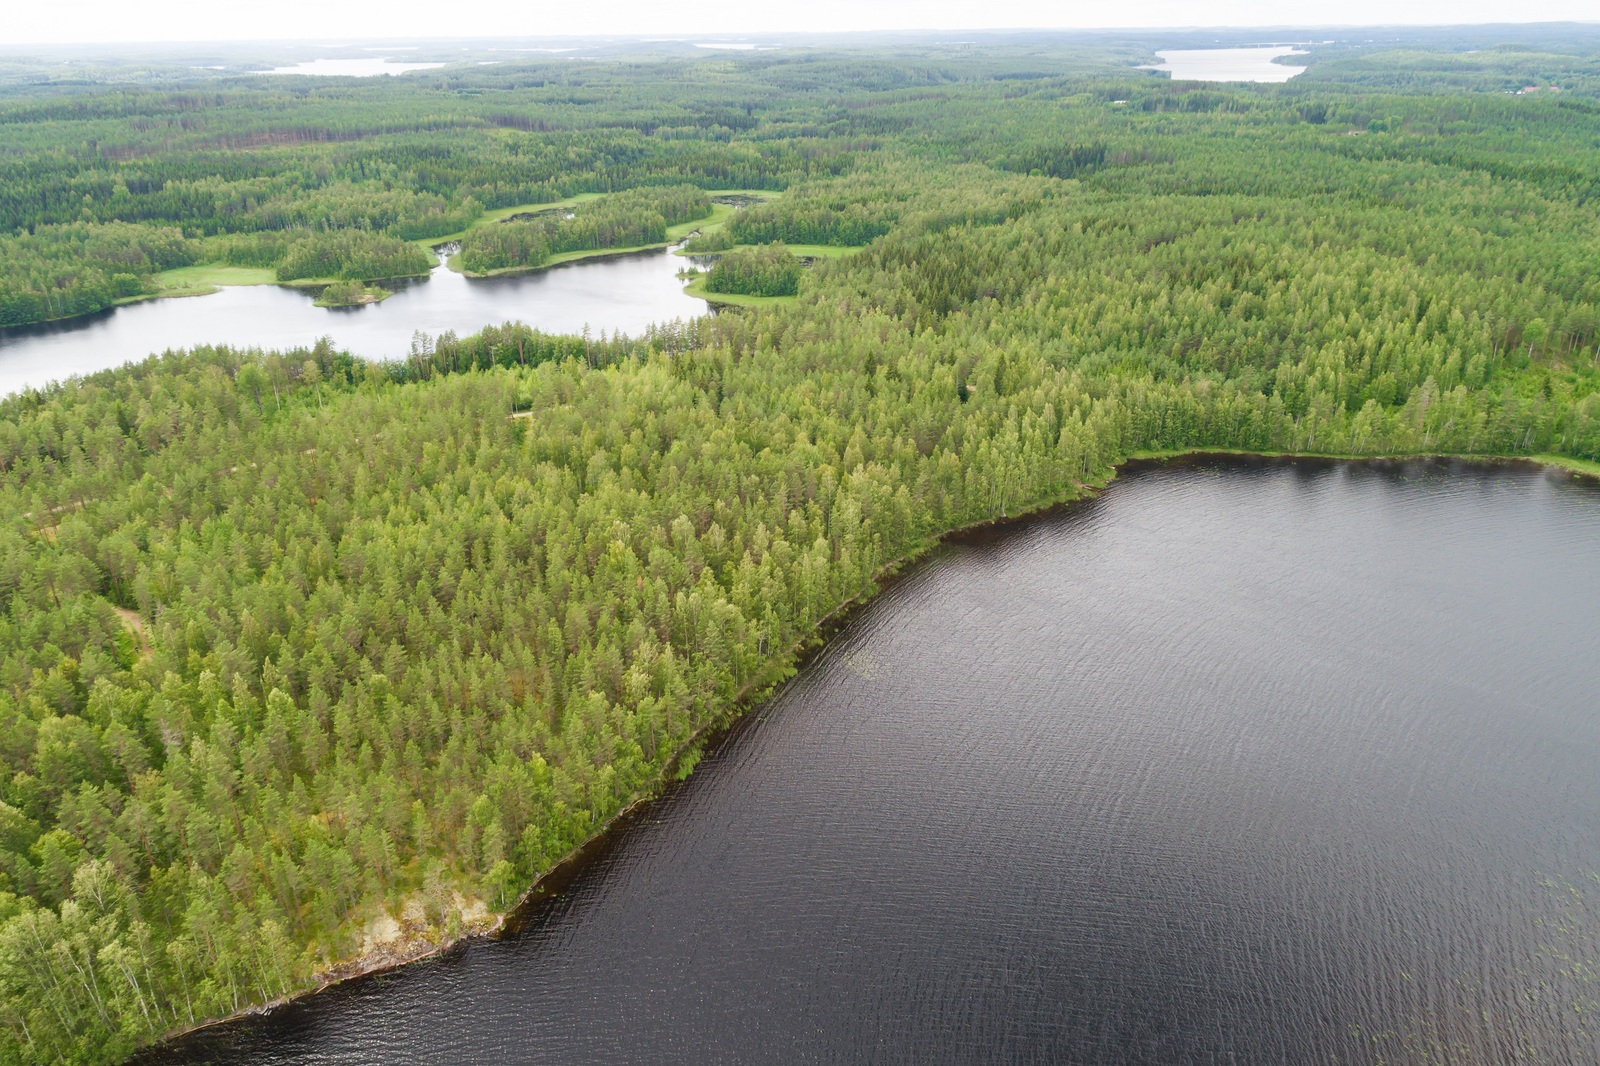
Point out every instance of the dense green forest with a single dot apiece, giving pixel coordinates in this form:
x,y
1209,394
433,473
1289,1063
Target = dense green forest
x,y
293,642
620,220
768,270
327,179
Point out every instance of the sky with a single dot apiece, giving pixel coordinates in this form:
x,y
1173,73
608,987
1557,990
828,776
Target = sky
x,y
111,21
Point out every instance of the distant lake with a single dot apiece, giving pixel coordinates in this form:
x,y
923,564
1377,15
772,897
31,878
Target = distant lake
x,y
1244,762
351,68
623,293
1229,64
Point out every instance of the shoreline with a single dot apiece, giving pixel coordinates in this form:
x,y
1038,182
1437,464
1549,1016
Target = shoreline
x,y
676,234
303,285
765,685
750,696
1584,468
432,244
697,288
584,256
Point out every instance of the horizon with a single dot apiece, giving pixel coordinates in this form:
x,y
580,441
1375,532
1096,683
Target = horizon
x,y
167,23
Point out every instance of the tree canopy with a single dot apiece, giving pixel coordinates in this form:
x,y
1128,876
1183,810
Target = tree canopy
x,y
292,642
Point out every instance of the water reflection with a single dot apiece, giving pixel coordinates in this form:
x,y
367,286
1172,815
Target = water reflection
x,y
352,68
1229,64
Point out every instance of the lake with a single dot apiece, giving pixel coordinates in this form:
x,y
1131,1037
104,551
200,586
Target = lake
x,y
1244,761
365,67
1228,64
626,293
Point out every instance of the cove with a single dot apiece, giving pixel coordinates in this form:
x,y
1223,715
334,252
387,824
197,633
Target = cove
x,y
1243,760
626,293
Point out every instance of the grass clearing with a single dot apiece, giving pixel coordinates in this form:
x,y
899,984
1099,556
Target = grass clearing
x,y
555,260
599,253
823,251
720,213
803,251
500,214
697,288
204,279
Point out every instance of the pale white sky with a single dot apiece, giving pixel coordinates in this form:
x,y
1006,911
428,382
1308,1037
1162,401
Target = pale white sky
x,y
110,21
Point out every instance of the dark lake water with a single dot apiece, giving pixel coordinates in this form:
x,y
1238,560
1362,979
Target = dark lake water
x,y
626,293
1240,763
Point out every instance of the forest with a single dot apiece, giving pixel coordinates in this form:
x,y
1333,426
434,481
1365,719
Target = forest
x,y
619,220
768,270
293,643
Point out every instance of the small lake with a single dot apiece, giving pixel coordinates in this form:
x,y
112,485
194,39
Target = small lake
x,y
1229,64
1243,762
622,293
366,67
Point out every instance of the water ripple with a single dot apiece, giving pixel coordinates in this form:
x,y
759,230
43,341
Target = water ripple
x,y
1242,763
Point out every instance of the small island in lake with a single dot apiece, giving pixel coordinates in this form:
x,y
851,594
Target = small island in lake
x,y
351,294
